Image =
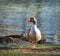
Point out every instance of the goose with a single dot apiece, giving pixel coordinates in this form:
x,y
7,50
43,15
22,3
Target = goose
x,y
33,34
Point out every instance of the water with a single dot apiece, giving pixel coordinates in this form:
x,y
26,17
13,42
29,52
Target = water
x,y
13,17
12,26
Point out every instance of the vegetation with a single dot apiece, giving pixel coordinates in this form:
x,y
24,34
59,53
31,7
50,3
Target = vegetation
x,y
27,54
15,50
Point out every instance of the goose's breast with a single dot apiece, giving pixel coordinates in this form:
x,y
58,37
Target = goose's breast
x,y
32,33
38,34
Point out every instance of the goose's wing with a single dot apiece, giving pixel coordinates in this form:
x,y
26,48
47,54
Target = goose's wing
x,y
26,34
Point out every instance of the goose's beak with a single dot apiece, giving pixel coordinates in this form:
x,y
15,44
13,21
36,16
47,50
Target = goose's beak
x,y
28,20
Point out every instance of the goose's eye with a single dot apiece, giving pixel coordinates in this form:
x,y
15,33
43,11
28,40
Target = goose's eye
x,y
32,19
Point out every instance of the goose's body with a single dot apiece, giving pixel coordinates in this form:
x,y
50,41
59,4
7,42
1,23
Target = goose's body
x,y
33,34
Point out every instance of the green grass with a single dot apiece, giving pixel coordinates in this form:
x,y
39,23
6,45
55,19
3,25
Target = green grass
x,y
29,45
10,52
38,46
27,54
47,46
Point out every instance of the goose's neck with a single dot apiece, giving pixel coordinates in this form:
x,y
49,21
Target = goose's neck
x,y
34,25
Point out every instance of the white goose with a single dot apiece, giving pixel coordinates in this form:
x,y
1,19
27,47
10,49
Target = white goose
x,y
33,34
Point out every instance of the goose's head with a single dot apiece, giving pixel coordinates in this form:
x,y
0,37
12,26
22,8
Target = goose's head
x,y
33,20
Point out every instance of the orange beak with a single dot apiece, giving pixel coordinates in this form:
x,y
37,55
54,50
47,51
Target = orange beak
x,y
29,20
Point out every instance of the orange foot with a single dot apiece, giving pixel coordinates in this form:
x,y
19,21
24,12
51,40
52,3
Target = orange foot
x,y
34,46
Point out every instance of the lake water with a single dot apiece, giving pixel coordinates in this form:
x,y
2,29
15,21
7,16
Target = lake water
x,y
13,17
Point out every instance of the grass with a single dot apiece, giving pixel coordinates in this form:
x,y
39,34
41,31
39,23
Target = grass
x,y
10,52
27,54
47,46
38,46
